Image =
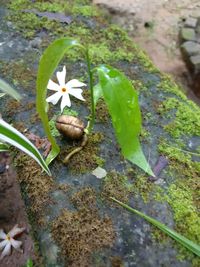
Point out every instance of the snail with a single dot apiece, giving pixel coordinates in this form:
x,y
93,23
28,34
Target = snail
x,y
70,126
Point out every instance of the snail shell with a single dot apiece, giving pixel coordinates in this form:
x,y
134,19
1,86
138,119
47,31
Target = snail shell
x,y
70,126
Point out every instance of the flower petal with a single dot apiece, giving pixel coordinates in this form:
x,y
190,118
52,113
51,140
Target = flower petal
x,y
61,75
6,251
54,98
77,93
16,244
74,83
2,234
65,101
53,86
3,244
16,231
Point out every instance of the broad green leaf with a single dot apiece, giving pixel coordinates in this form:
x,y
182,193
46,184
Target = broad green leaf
x,y
10,135
48,63
7,89
122,101
173,234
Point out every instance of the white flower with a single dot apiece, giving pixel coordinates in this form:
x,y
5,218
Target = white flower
x,y
9,241
64,90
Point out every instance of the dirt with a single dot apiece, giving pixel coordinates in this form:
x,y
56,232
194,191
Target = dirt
x,y
13,212
154,25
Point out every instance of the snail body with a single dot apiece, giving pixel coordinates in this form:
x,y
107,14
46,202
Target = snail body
x,y
70,126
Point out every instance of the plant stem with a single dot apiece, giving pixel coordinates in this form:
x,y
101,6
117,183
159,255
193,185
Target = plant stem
x,y
92,118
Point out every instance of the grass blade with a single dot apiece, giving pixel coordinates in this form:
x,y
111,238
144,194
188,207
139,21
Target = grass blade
x,y
10,135
190,245
7,89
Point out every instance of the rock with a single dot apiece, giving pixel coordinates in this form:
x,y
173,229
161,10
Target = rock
x,y
188,34
191,22
196,84
35,43
195,63
190,48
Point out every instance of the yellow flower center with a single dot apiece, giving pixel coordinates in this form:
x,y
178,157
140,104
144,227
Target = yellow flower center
x,y
8,237
64,90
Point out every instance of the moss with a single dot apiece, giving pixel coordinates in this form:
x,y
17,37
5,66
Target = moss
x,y
18,72
117,186
139,86
29,23
186,112
185,214
145,134
83,232
85,10
87,159
37,184
53,128
144,187
183,195
12,107
168,85
180,198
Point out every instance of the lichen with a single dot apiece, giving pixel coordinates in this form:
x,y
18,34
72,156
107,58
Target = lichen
x,y
80,233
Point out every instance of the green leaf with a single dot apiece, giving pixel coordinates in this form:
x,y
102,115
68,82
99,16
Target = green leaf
x,y
173,234
122,101
10,135
3,147
29,263
48,63
98,93
7,89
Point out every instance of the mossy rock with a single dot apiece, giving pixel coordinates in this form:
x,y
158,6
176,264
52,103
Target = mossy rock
x,y
74,201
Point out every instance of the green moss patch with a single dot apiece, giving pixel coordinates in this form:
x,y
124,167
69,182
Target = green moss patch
x,y
186,120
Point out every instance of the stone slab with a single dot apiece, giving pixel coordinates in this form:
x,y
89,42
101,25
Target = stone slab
x,y
188,34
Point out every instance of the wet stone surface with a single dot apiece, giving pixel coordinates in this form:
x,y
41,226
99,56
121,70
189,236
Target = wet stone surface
x,y
128,240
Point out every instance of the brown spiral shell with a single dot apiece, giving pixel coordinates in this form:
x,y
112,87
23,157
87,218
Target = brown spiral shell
x,y
70,126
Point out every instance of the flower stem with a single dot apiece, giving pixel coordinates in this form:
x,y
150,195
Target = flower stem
x,y
92,117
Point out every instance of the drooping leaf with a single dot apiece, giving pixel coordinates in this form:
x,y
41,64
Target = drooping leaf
x,y
122,101
190,245
48,63
10,135
7,89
